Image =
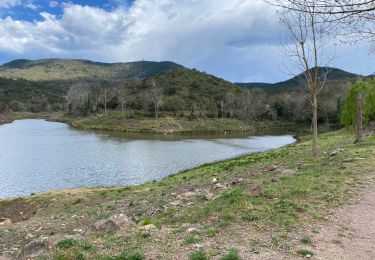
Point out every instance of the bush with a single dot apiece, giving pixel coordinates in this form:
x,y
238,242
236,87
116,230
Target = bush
x,y
198,255
67,243
232,255
131,255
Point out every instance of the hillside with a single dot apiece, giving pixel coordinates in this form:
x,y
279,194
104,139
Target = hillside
x,y
62,70
333,74
22,95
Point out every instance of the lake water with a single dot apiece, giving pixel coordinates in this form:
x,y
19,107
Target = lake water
x,y
38,156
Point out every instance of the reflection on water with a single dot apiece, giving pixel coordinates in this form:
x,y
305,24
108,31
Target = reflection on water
x,y
37,156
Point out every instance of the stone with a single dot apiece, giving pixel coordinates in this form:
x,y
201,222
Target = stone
x,y
192,229
272,168
214,180
149,228
37,246
29,235
6,222
115,222
176,203
34,248
288,172
256,192
219,185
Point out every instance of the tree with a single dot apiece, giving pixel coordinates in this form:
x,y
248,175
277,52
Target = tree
x,y
359,107
104,95
157,97
306,33
353,17
78,97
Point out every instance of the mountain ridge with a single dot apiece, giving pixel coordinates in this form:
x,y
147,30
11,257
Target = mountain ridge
x,y
73,69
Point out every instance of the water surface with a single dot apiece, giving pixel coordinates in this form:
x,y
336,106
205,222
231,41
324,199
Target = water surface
x,y
38,156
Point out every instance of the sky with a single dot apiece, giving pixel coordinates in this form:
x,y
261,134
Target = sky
x,y
238,40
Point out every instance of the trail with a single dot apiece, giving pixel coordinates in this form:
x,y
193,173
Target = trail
x,y
350,234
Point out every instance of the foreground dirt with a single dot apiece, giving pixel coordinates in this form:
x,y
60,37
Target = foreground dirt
x,y
350,233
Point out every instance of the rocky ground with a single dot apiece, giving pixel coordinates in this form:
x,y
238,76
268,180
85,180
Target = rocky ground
x,y
275,205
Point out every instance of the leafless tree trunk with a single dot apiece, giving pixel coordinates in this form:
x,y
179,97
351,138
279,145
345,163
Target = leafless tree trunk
x,y
306,32
157,97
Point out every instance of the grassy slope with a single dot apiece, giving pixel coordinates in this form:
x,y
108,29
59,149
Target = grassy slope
x,y
255,209
60,69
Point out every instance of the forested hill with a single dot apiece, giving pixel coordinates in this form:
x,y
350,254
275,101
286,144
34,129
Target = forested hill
x,y
332,74
86,87
67,70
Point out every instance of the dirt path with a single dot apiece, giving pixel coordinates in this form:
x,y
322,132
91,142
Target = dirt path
x,y
350,234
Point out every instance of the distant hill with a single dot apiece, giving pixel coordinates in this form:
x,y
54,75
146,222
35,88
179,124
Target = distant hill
x,y
63,70
22,95
333,74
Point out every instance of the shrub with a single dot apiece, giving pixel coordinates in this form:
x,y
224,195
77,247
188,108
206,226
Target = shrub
x,y
198,255
67,243
131,255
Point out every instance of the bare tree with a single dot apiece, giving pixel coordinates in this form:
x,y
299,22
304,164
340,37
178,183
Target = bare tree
x,y
354,18
77,96
305,46
104,95
157,97
121,92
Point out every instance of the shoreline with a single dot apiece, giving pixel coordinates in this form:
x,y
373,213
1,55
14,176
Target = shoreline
x,y
283,191
163,125
99,188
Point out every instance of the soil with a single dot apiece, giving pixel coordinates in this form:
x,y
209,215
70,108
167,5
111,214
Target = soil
x,y
350,233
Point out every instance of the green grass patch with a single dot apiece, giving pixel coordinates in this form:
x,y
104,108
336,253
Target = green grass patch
x,y
232,255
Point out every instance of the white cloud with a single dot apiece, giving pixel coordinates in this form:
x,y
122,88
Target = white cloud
x,y
31,5
53,4
9,3
237,39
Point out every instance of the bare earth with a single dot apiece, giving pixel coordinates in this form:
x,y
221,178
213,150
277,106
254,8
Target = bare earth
x,y
350,233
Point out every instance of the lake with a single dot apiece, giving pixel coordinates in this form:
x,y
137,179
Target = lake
x,y
38,156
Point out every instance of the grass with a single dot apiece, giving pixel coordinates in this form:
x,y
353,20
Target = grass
x,y
305,194
198,255
232,255
305,253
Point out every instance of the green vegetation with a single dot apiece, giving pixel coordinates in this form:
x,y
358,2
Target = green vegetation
x,y
367,89
67,70
125,90
198,255
232,255
21,95
253,200
306,253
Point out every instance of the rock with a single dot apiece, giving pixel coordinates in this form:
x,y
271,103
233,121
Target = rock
x,y
272,168
186,196
192,229
308,256
115,222
335,152
34,248
6,222
219,186
288,172
256,192
29,235
214,180
149,228
176,203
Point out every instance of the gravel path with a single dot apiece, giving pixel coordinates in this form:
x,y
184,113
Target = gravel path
x,y
350,234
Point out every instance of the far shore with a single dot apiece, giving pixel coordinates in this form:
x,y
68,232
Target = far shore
x,y
163,125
